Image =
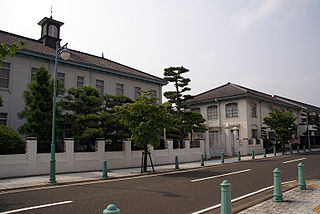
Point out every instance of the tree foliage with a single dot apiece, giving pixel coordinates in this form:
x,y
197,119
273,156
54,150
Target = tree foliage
x,y
1,101
183,119
146,121
283,123
9,50
10,141
38,108
82,107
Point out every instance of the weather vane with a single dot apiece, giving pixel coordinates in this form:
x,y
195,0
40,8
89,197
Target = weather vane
x,y
51,12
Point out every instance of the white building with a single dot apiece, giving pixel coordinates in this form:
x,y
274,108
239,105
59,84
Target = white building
x,y
241,110
81,69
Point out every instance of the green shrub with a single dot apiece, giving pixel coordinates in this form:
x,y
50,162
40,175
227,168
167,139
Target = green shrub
x,y
10,141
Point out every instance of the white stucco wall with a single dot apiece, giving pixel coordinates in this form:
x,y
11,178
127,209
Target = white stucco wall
x,y
20,76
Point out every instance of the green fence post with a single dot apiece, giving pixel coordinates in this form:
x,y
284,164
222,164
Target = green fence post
x,y
301,177
111,209
202,161
304,148
274,151
222,157
264,153
291,150
239,156
298,148
277,190
176,162
225,198
252,154
104,169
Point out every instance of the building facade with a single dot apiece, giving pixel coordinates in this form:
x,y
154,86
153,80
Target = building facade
x,y
241,110
107,76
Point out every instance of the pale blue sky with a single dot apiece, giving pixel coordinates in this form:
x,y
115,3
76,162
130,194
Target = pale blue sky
x,y
268,45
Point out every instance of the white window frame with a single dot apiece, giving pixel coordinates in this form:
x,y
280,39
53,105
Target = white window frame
x,y
253,110
120,89
3,77
137,93
100,86
212,112
80,81
232,110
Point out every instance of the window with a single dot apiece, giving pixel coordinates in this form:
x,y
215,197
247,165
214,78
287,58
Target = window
x,y
270,108
80,81
253,110
212,112
154,93
119,89
60,77
53,31
137,93
100,86
33,72
232,110
254,133
3,118
195,110
4,75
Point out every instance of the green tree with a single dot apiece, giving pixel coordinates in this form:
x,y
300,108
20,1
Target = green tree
x,y
283,123
184,120
10,141
38,109
110,121
267,143
82,107
146,121
9,50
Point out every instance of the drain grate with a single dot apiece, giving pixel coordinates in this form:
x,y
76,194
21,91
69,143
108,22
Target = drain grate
x,y
317,209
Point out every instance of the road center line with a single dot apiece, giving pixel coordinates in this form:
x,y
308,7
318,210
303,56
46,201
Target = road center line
x,y
239,198
36,207
218,176
294,160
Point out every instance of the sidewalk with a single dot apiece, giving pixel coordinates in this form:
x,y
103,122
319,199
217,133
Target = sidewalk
x,y
67,178
295,202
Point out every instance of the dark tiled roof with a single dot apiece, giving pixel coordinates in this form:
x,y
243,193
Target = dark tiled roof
x,y
297,103
35,46
231,90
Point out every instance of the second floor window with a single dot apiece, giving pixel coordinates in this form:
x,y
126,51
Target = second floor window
x,y
119,89
137,93
80,81
253,110
3,118
232,110
4,75
154,93
100,86
33,72
61,77
195,110
212,112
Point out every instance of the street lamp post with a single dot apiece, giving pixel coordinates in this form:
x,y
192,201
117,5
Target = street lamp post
x,y
65,54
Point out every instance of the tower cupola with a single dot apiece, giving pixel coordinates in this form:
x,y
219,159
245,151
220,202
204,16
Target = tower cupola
x,y
50,31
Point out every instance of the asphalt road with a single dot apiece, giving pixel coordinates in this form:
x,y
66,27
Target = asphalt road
x,y
163,193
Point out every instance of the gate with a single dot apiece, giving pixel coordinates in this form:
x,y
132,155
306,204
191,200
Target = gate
x,y
217,143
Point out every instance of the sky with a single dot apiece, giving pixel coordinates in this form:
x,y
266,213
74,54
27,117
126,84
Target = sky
x,y
272,46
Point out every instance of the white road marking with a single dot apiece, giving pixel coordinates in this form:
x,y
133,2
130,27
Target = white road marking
x,y
239,198
218,176
36,207
100,181
294,160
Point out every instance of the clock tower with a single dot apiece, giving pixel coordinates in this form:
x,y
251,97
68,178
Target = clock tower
x,y
50,31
